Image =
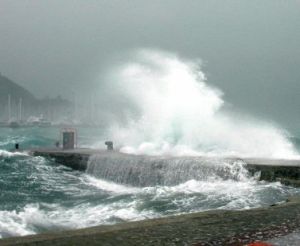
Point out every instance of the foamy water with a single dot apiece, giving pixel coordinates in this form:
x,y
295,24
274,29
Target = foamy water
x,y
5,153
38,195
170,108
171,115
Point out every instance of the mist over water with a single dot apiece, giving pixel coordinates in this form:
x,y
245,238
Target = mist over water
x,y
169,108
38,195
162,106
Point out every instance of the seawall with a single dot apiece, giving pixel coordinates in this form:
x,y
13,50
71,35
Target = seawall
x,y
285,171
220,227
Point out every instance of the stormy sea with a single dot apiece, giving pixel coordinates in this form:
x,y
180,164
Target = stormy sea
x,y
170,117
39,195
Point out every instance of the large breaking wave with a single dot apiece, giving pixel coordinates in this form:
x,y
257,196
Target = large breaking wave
x,y
170,109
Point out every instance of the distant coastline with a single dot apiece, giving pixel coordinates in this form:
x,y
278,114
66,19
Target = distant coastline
x,y
18,104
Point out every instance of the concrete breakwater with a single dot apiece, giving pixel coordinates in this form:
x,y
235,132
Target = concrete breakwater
x,y
204,228
285,171
218,227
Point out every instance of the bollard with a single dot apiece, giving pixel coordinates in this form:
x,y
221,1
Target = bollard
x,y
110,145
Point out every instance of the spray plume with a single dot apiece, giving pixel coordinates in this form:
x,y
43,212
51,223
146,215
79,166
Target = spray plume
x,y
170,109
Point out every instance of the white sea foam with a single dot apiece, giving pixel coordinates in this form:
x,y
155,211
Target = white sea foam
x,y
137,204
110,186
171,109
5,153
21,223
145,171
35,218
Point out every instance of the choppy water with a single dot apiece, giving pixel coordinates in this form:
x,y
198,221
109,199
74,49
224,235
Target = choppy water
x,y
38,195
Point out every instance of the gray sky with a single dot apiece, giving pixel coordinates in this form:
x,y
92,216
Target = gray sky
x,y
251,49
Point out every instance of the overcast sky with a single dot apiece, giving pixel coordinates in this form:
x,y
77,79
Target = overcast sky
x,y
250,49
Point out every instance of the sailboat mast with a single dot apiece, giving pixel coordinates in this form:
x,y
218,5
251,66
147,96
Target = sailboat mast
x,y
20,109
9,107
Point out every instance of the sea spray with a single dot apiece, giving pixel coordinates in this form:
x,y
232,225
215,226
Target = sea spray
x,y
39,195
5,153
161,170
169,108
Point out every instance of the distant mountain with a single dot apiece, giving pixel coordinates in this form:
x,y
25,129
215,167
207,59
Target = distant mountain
x,y
51,108
8,87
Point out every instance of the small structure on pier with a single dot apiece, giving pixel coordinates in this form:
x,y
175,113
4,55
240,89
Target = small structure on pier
x,y
68,138
109,145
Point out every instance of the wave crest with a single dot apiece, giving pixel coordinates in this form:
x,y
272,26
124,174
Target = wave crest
x,y
170,109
